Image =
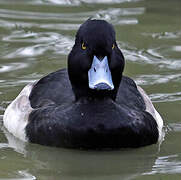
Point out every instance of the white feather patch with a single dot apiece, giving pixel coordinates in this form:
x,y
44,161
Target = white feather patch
x,y
151,109
16,115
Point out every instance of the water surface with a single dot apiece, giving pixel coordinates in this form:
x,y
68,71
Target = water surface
x,y
35,39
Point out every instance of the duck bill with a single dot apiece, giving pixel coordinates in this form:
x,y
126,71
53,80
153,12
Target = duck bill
x,y
100,75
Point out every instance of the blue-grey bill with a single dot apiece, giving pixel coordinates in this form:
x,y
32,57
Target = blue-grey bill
x,y
100,75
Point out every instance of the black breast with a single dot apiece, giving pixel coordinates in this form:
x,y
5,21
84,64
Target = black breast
x,y
54,88
129,95
91,126
59,121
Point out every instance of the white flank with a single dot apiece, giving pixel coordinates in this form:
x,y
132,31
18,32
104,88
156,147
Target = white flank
x,y
159,121
151,109
16,115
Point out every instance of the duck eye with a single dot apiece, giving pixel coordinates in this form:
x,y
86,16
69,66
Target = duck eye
x,y
113,46
83,46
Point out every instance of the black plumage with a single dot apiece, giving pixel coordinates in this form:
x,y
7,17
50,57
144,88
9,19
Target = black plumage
x,y
68,113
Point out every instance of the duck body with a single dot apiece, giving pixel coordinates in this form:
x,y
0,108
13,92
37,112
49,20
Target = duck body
x,y
64,109
88,123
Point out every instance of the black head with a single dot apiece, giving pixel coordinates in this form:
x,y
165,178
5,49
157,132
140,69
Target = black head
x,y
95,46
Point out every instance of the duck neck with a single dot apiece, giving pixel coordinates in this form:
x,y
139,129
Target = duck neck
x,y
90,94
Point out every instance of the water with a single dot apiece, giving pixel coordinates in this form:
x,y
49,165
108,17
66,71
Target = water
x,y
35,39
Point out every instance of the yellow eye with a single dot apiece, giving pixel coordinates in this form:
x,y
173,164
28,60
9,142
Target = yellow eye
x,y
83,46
113,46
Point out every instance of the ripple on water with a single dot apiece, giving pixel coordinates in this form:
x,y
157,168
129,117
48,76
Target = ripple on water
x,y
116,15
26,175
32,37
113,15
152,79
12,67
47,41
3,145
166,61
155,56
166,97
166,164
55,26
171,64
140,55
54,42
164,35
176,48
17,83
79,2
175,127
22,175
28,15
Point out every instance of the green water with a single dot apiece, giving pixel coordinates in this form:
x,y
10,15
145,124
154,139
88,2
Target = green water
x,y
35,39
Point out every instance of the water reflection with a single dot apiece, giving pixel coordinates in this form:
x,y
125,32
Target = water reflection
x,y
113,15
157,79
164,35
166,97
175,127
156,56
140,55
22,24
45,42
26,175
79,2
34,32
12,67
176,48
74,164
166,164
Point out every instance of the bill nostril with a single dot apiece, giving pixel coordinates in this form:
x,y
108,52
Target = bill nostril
x,y
94,69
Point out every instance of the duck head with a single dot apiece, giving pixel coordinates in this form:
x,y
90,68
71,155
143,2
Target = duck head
x,y
96,63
